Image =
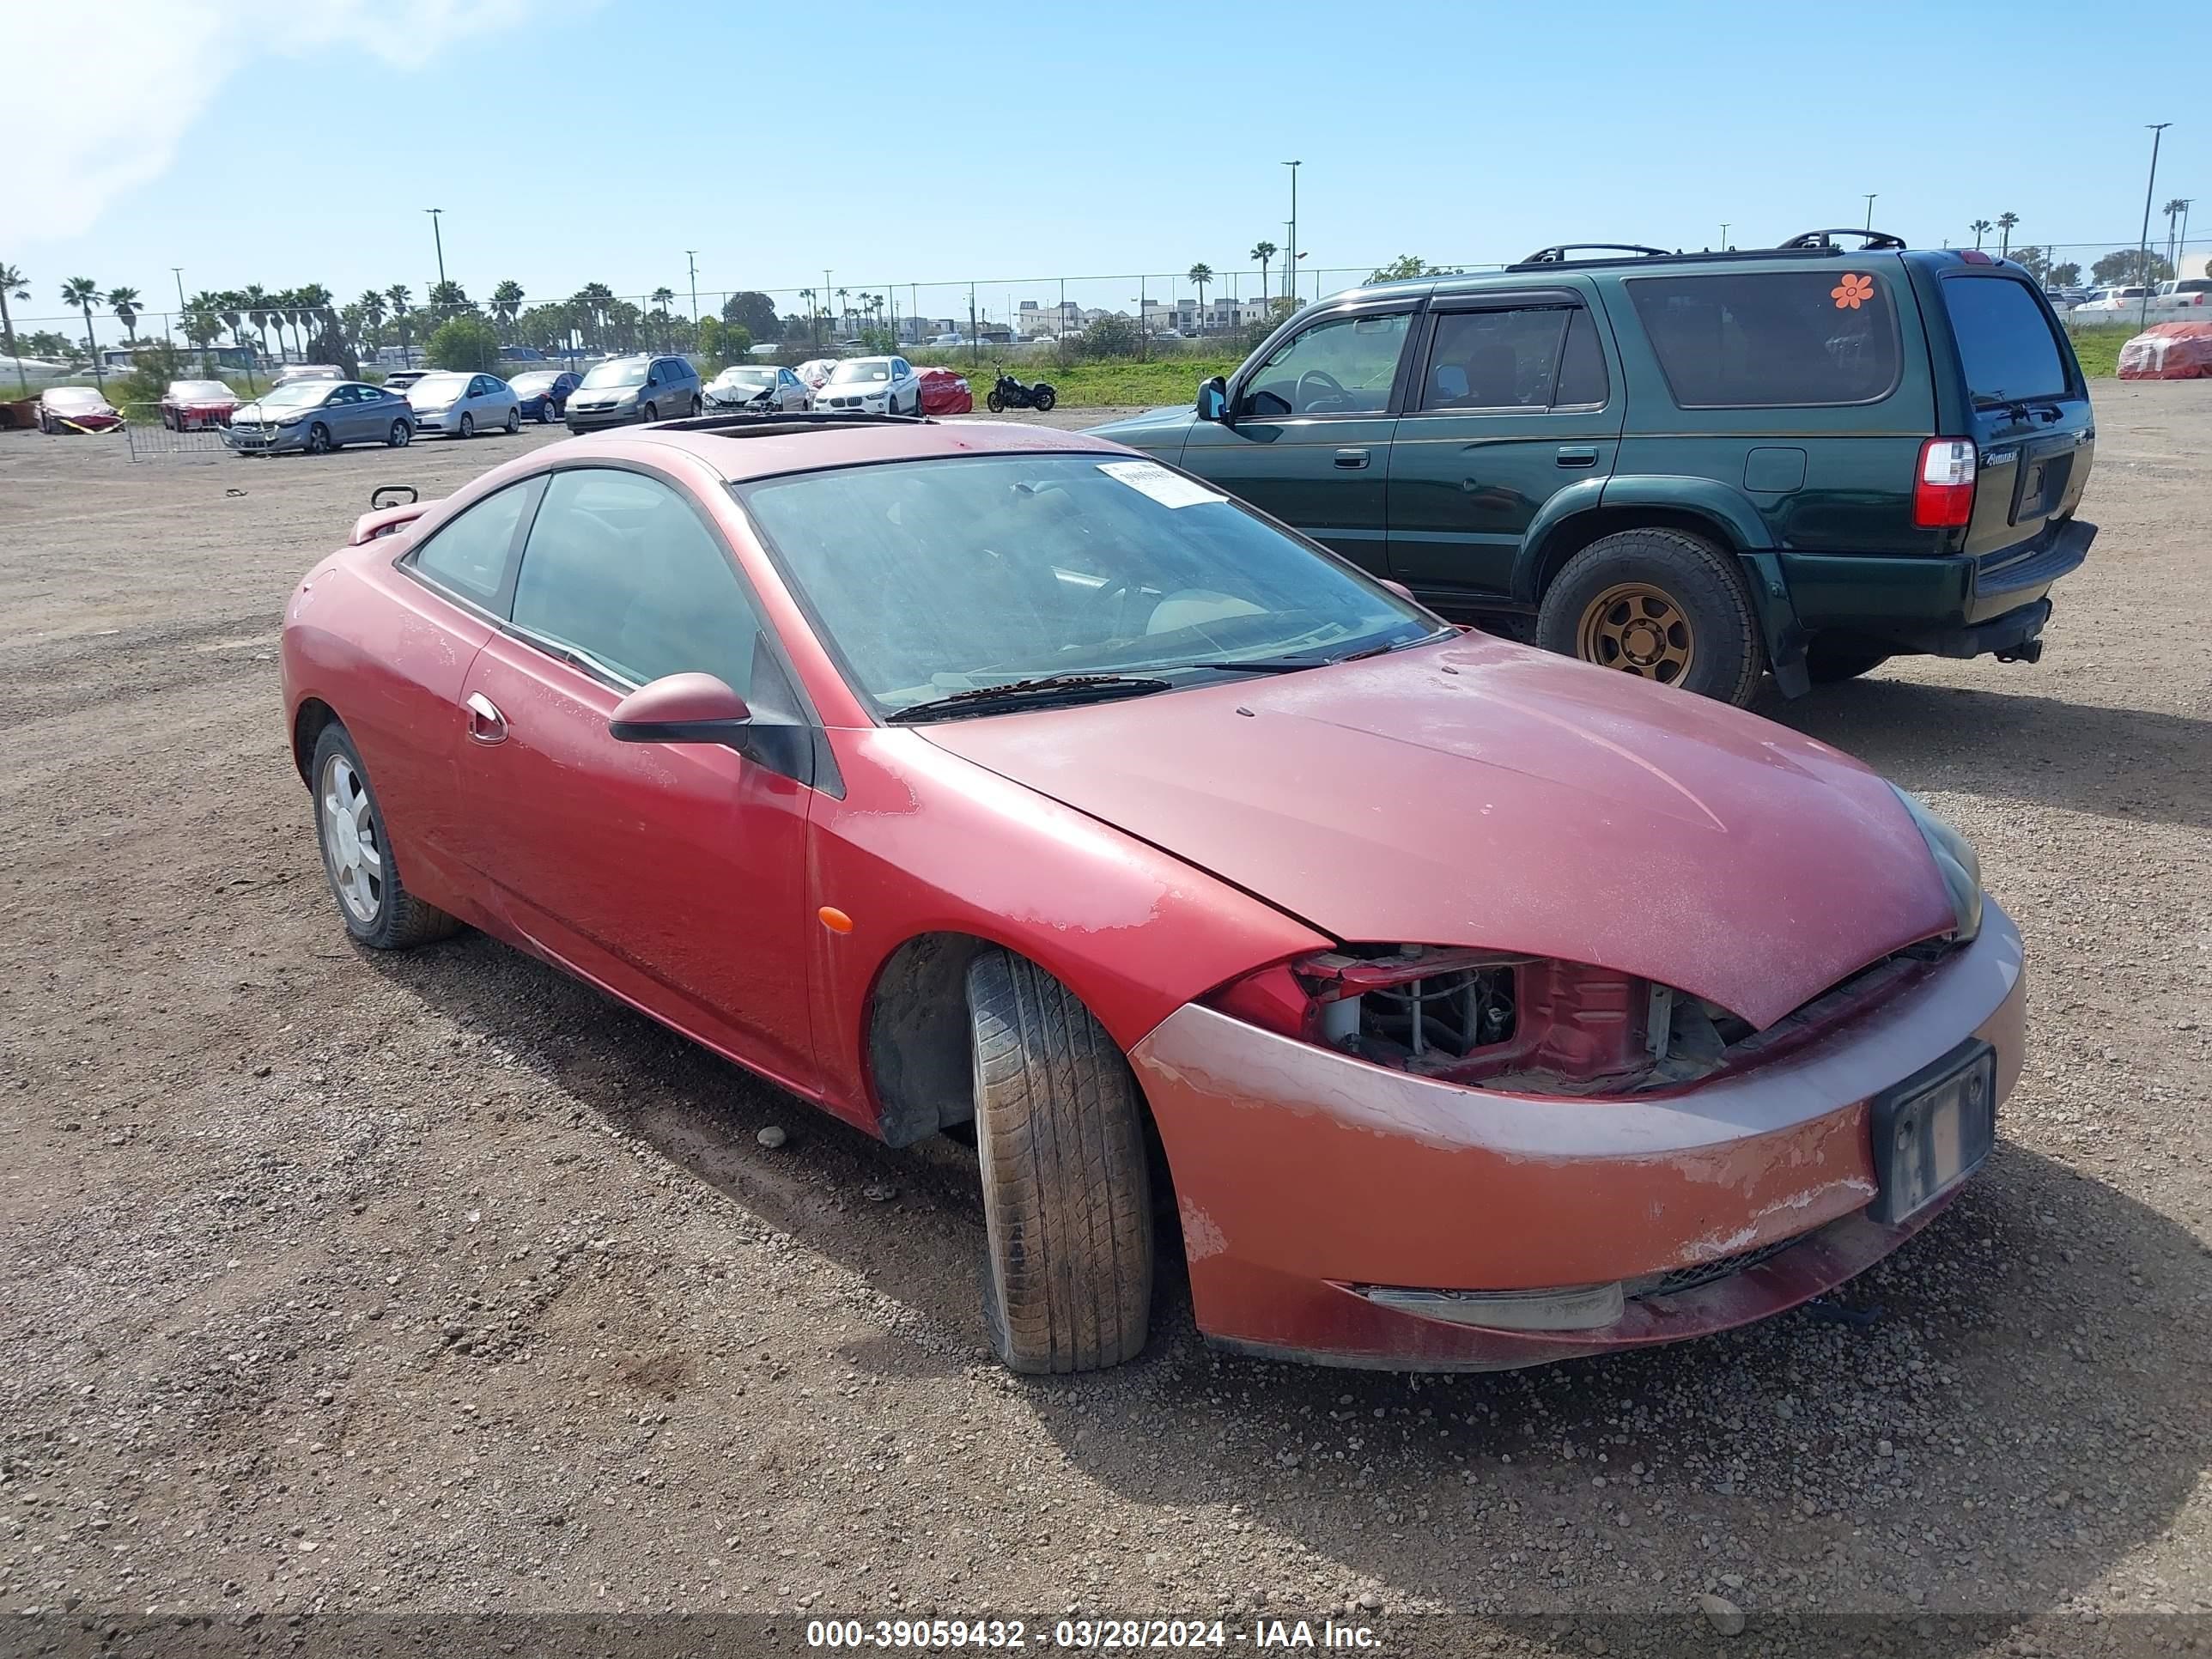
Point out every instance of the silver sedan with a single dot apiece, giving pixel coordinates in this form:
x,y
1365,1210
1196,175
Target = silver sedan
x,y
461,405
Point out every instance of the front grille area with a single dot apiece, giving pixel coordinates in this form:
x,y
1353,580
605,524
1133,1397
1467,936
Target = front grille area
x,y
1683,1279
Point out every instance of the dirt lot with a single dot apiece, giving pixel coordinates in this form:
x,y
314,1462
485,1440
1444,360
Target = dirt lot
x,y
418,1285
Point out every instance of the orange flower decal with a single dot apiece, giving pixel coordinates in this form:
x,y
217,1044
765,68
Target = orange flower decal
x,y
1852,292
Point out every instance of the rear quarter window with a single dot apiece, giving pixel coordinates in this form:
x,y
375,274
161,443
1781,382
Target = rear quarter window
x,y
2006,344
1771,340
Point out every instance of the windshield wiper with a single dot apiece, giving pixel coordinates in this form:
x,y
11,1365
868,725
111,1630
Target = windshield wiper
x,y
1045,690
1291,665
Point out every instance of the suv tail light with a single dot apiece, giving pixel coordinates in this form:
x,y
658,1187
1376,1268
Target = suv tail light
x,y
1943,491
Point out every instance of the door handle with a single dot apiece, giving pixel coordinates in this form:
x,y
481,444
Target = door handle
x,y
486,723
1578,455
1352,458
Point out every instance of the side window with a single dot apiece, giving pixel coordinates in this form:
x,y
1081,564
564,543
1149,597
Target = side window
x,y
1341,367
468,554
1771,340
1583,381
619,567
1495,359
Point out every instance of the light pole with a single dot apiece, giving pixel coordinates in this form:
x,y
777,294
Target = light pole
x,y
2181,249
438,237
178,272
1724,225
691,258
2143,255
1290,254
1869,224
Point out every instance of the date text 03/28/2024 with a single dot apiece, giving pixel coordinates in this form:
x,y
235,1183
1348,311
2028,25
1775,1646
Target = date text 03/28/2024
x,y
1091,1635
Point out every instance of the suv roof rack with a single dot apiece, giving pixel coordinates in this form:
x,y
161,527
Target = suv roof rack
x,y
1557,253
766,423
1870,240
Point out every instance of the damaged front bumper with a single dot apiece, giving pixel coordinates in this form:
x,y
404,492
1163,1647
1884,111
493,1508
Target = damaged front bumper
x,y
1338,1211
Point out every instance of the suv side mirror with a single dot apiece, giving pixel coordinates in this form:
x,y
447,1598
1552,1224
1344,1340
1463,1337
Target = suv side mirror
x,y
683,708
1213,400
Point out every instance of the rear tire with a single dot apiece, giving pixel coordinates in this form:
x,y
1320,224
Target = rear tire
x,y
398,436
1666,606
1066,1191
378,910
545,414
1046,398
1834,656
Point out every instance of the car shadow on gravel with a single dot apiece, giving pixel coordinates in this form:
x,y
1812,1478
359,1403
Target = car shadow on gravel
x,y
1989,1421
2131,763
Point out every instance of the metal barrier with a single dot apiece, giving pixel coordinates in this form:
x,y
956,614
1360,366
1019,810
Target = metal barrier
x,y
151,441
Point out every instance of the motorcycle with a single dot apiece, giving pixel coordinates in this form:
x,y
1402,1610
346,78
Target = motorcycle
x,y
1011,393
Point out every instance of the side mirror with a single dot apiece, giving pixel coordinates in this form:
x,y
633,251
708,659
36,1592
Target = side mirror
x,y
682,708
1213,400
1399,589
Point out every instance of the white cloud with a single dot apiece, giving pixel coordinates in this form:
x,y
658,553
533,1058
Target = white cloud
x,y
103,96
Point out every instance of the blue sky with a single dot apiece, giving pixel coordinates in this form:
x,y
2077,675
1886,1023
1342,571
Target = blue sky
x,y
569,141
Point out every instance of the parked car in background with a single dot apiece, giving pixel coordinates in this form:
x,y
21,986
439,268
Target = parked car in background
x,y
877,385
945,391
815,371
400,379
1474,1010
461,405
2115,299
521,355
75,409
543,393
291,372
191,406
1643,456
626,389
316,415
2183,294
757,386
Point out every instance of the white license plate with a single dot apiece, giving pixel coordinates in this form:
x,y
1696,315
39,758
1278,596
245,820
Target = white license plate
x,y
1932,1131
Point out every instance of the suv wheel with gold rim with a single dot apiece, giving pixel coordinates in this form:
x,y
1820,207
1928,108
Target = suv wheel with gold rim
x,y
1662,604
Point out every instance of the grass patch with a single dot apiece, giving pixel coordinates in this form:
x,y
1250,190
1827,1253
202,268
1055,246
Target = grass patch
x,y
1091,386
2099,348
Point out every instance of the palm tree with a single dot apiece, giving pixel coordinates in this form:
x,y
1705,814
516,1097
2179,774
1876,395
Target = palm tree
x,y
662,298
507,302
13,285
813,326
256,301
1264,252
124,303
1981,228
1200,274
371,307
203,322
83,292
229,305
844,311
402,304
2005,222
314,302
2173,209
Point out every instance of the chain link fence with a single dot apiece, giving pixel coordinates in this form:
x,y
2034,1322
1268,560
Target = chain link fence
x,y
1196,312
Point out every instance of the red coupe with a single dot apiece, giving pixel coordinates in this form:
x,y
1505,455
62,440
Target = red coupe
x,y
1445,1002
193,405
75,409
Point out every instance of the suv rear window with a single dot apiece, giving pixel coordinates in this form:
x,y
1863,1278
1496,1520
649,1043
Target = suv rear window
x,y
2005,344
1771,340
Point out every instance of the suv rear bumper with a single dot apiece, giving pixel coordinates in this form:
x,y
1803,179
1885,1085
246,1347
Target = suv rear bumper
x,y
1950,607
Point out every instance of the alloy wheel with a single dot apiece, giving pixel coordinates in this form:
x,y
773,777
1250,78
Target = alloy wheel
x,y
352,845
1639,629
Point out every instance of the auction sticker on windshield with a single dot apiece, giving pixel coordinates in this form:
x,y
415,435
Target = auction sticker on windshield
x,y
1168,489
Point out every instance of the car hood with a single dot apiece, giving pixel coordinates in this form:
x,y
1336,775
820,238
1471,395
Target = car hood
x,y
1156,430
1475,792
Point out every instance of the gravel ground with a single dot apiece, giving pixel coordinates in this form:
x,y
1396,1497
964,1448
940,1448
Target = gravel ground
x,y
345,1284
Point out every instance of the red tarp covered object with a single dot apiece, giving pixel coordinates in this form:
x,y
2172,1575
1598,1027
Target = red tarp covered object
x,y
2169,351
945,392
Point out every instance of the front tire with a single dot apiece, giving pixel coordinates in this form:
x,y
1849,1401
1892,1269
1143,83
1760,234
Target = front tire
x,y
546,415
319,439
1066,1190
468,426
1659,604
995,403
1832,656
514,420
650,412
373,901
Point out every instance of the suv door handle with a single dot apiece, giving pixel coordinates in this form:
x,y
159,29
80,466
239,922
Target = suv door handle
x,y
1578,455
486,723
1352,458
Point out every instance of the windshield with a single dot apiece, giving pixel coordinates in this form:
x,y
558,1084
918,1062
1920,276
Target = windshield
x,y
744,377
199,389
616,374
299,392
73,396
529,383
931,577
863,368
437,388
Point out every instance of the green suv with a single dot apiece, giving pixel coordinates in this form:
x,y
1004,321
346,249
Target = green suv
x,y
1692,467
